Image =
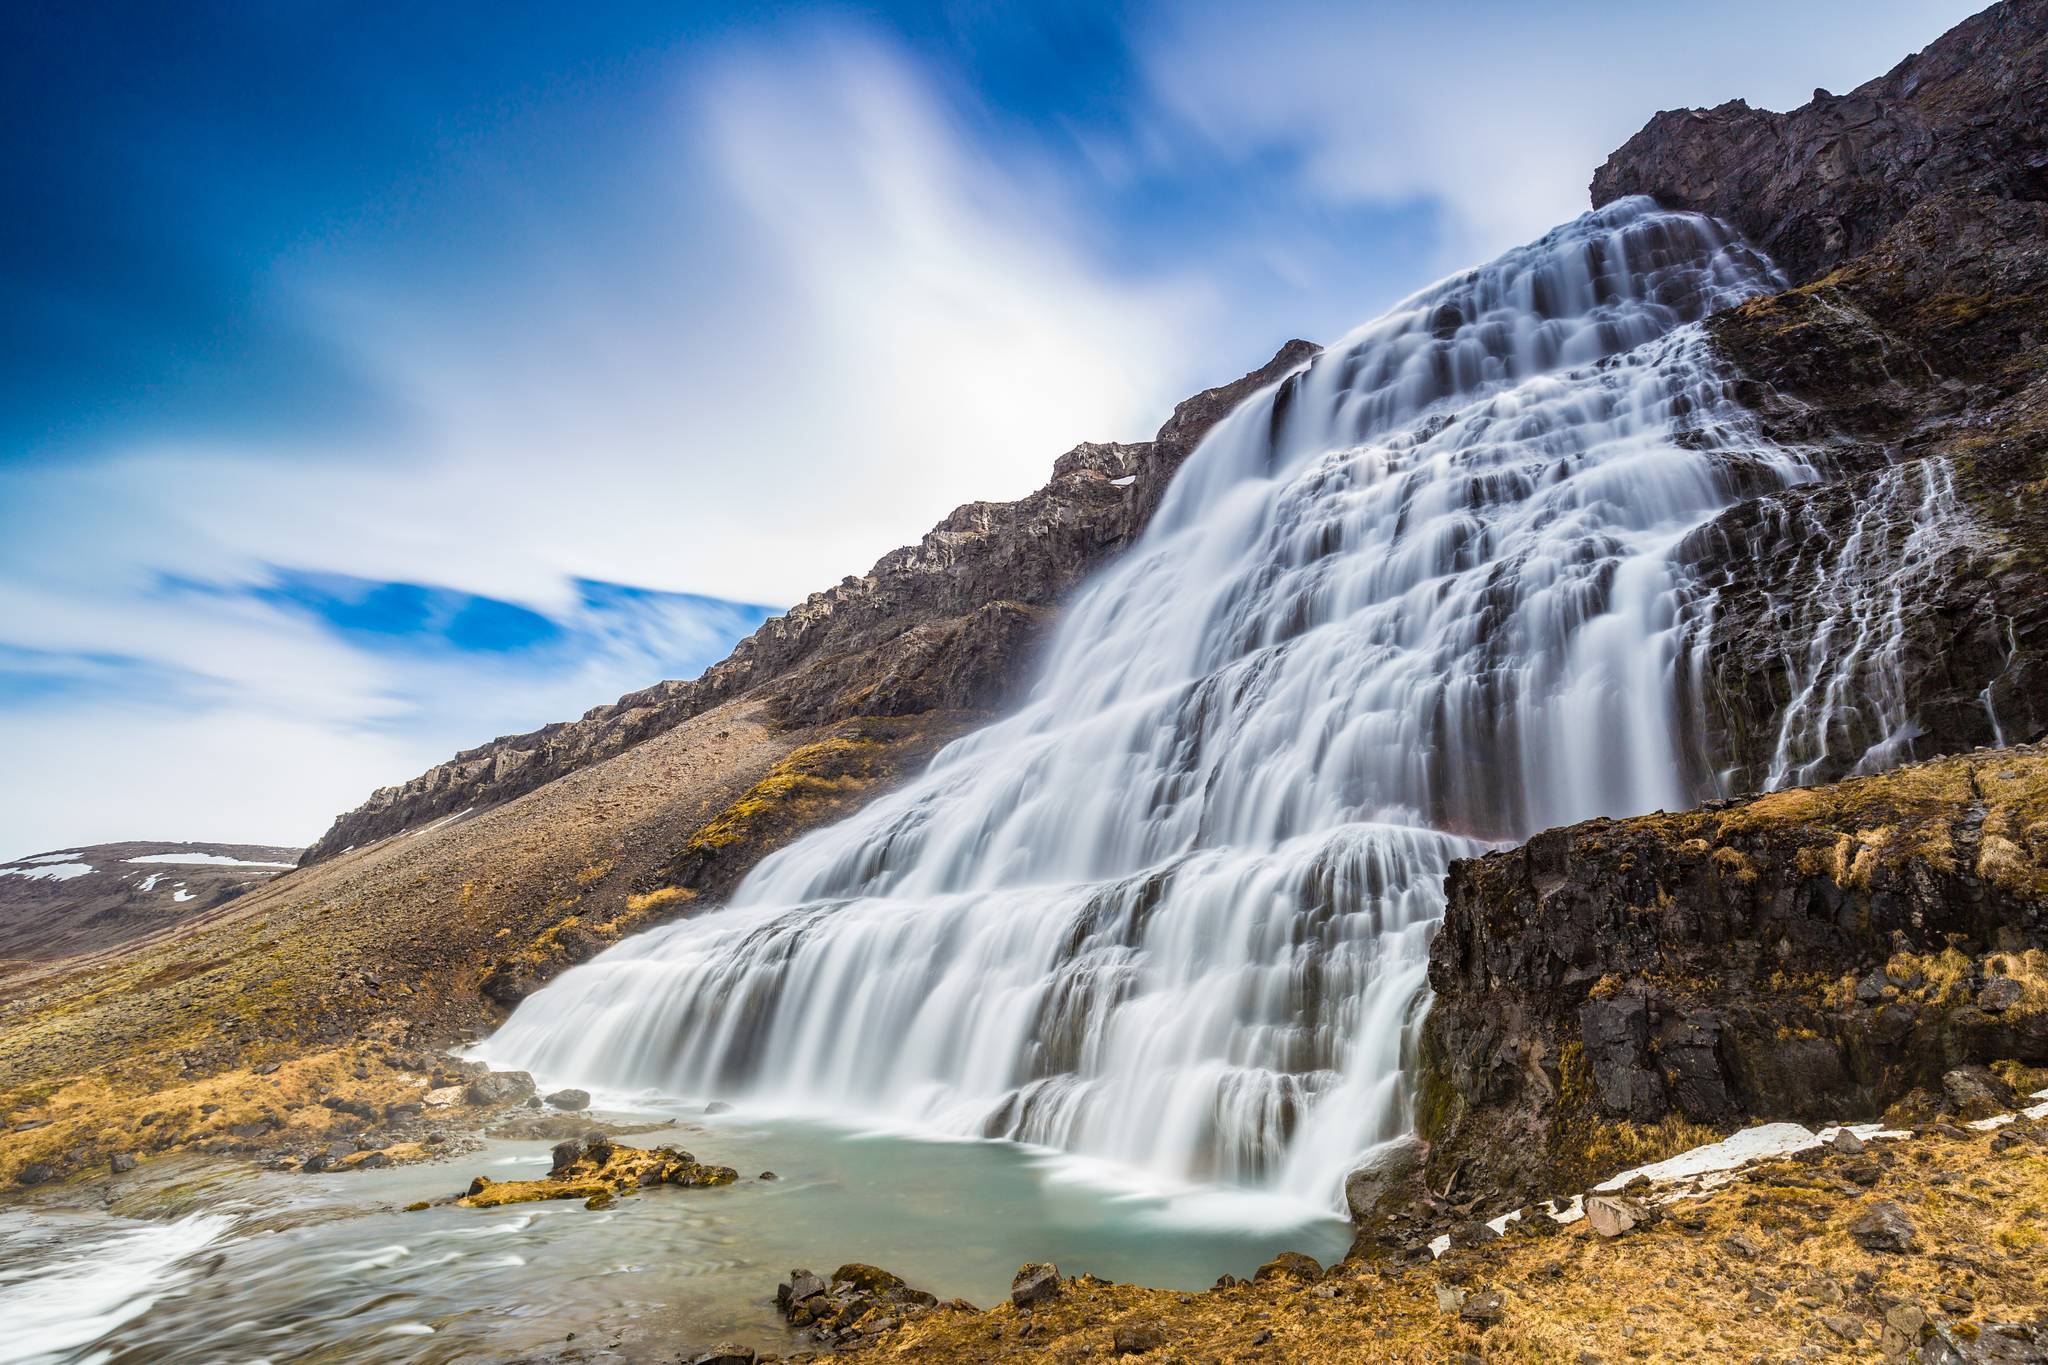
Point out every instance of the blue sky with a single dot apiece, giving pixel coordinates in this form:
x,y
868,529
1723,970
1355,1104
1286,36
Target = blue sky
x,y
378,379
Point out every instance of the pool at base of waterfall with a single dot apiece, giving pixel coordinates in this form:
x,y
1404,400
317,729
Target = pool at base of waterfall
x,y
205,1261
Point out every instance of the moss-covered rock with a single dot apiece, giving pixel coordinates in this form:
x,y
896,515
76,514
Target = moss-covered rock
x,y
598,1172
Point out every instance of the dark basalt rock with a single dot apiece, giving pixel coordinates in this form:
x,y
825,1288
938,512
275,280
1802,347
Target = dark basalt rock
x,y
1617,990
858,1302
952,623
1821,184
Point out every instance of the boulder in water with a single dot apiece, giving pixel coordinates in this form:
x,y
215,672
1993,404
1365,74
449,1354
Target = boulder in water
x,y
571,1100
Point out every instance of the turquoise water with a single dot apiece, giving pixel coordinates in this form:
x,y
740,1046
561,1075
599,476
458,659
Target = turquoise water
x,y
200,1263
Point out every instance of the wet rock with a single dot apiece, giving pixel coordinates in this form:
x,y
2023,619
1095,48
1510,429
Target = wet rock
x,y
718,1107
1883,1227
725,1353
1034,1283
571,1100
802,1285
1387,1187
767,1175
499,1088
1291,1265
1136,1338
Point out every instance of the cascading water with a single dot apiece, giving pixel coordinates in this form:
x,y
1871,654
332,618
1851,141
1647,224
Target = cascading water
x,y
1415,598
1849,695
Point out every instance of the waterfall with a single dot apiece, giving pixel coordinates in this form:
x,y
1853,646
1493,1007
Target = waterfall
x,y
1848,682
1417,598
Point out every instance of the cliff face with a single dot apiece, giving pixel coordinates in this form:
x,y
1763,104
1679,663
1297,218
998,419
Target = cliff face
x,y
1823,183
1617,989
1894,605
1898,604
948,624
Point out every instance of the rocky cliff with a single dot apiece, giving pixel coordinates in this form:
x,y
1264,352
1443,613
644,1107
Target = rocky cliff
x,y
1892,604
1624,988
950,623
1620,989
1825,182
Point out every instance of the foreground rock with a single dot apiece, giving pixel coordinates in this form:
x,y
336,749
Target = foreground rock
x,y
1622,989
597,1171
856,1303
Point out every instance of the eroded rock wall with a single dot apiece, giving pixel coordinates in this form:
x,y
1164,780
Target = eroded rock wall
x,y
1616,990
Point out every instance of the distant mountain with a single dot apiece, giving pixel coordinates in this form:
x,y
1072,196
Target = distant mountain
x,y
83,900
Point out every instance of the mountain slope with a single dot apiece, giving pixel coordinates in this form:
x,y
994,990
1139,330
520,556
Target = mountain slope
x,y
92,899
950,623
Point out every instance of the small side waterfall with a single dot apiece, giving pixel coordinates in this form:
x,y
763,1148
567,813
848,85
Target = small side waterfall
x,y
1850,695
1416,598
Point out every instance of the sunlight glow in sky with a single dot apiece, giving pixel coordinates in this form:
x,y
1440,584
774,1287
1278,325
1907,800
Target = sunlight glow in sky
x,y
375,380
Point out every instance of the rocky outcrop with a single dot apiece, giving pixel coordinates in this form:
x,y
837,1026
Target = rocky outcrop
x,y
1822,184
103,896
1898,604
1620,989
1892,605
948,624
856,1304
598,1171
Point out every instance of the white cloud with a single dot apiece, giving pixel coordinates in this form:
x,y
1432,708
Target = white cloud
x,y
1500,113
816,321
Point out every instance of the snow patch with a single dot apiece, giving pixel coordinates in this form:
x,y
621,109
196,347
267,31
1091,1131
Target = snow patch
x,y
61,872
150,881
1125,482
211,859
181,894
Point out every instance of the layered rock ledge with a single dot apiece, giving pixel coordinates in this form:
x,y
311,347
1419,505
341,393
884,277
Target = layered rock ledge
x,y
1619,990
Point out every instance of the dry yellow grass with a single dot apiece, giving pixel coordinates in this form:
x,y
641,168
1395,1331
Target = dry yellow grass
x,y
1763,1269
